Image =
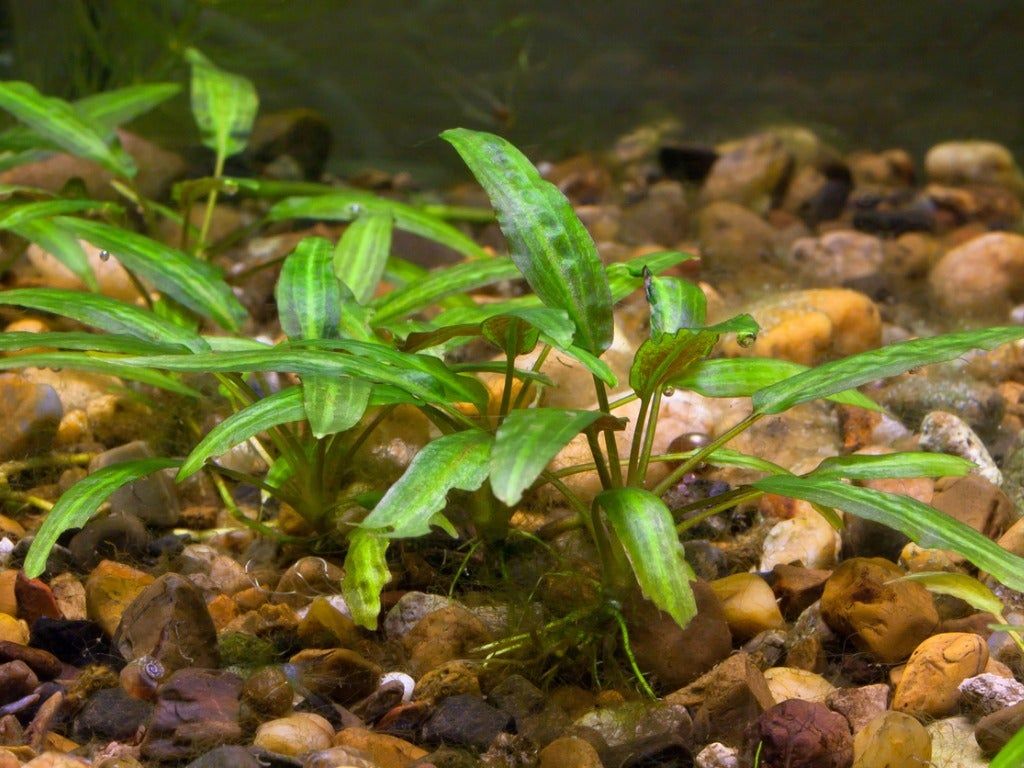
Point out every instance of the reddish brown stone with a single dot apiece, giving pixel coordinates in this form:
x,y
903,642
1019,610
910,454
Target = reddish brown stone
x,y
801,734
35,599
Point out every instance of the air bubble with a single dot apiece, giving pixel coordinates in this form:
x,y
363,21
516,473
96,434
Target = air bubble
x,y
746,339
104,255
669,391
355,209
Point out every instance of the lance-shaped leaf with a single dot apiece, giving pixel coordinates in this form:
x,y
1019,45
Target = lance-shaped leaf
x,y
189,281
62,245
624,277
362,253
668,356
674,303
13,215
743,376
103,313
224,106
308,295
366,574
962,587
853,371
90,342
335,405
447,281
79,503
892,465
547,241
526,441
80,361
1011,755
346,205
279,408
58,122
111,109
644,526
923,524
460,460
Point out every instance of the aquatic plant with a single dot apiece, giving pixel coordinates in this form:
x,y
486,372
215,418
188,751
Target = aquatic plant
x,y
358,351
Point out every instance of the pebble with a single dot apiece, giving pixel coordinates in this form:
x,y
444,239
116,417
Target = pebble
x,y
726,699
716,755
168,621
801,734
153,498
892,740
943,432
449,679
930,683
632,723
675,656
384,750
569,752
111,715
295,735
31,413
195,709
410,608
341,675
731,236
859,705
913,396
13,630
973,162
16,680
268,692
987,693
69,594
212,571
109,589
465,721
806,540
797,587
839,258
228,756
888,618
975,501
111,537
46,665
75,642
443,635
305,579
981,278
953,745
748,603
791,683
749,171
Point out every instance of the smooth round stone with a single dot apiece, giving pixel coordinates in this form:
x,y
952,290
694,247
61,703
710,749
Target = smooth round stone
x,y
295,735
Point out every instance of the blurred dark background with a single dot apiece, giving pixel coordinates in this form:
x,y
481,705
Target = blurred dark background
x,y
553,76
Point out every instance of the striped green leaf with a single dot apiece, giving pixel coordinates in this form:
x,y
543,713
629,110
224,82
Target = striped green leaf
x,y
892,465
335,405
526,441
79,503
308,296
547,241
17,214
666,357
644,526
414,503
224,106
104,313
58,122
62,245
674,303
893,359
362,253
80,361
923,524
742,377
624,277
273,410
112,109
87,342
366,574
960,586
443,282
346,205
188,280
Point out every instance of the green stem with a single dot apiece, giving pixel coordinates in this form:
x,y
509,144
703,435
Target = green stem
x,y
615,466
627,648
599,461
624,400
698,457
26,498
506,392
638,433
649,435
582,513
722,502
237,514
211,202
535,368
9,468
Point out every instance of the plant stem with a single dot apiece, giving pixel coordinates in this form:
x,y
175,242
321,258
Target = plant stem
x,y
211,202
9,468
506,392
25,498
698,457
627,648
582,513
649,435
237,514
638,433
599,462
609,436
725,501
624,400
537,365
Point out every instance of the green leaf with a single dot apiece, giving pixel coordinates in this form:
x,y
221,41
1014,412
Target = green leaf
x,y
62,245
57,121
725,457
346,205
84,362
366,574
189,281
547,241
17,214
441,283
308,296
111,109
104,313
923,524
644,526
79,503
460,460
743,376
279,408
853,371
892,465
224,106
961,586
91,342
526,441
667,357
362,253
1011,755
334,405
674,303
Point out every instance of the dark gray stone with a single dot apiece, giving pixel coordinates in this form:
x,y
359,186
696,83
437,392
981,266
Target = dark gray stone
x,y
153,499
465,721
111,715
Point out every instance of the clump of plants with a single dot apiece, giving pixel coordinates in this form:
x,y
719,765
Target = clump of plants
x,y
358,351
